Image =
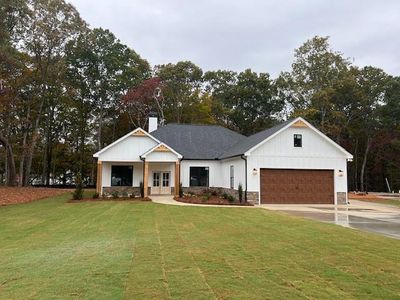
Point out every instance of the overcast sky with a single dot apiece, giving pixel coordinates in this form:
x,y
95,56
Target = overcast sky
x,y
256,34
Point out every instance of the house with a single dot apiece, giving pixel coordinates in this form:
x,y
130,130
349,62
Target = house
x,y
292,162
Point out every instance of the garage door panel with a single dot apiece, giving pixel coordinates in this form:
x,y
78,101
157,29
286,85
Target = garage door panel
x,y
282,186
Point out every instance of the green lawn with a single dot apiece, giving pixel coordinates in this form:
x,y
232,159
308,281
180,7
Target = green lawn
x,y
114,250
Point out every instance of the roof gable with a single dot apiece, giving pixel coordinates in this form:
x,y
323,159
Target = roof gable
x,y
162,147
137,132
300,123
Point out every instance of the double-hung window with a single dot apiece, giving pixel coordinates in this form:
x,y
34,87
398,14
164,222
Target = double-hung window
x,y
297,140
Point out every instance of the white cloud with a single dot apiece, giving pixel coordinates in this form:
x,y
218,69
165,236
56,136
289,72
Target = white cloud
x,y
253,34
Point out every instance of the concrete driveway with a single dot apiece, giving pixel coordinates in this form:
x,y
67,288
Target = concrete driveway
x,y
372,217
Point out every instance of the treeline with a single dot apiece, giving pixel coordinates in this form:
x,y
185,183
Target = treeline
x,y
68,90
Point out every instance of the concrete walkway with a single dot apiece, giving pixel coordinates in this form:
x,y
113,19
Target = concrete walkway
x,y
167,199
367,216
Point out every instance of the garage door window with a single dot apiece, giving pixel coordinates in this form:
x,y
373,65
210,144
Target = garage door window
x,y
298,140
198,176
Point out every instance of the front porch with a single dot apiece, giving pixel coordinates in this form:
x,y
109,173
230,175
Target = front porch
x,y
125,178
158,171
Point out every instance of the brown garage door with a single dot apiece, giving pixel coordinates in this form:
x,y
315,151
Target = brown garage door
x,y
296,186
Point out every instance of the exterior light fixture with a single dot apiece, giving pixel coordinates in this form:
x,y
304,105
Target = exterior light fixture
x,y
340,173
255,171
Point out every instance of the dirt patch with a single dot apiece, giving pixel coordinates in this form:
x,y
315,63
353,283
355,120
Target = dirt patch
x,y
214,200
109,200
364,196
16,195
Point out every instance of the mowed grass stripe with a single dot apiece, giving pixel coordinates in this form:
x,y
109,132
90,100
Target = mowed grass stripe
x,y
128,250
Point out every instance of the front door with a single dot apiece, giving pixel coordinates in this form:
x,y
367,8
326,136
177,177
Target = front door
x,y
161,183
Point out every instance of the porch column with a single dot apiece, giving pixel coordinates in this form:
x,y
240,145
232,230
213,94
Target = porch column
x,y
177,178
145,178
99,177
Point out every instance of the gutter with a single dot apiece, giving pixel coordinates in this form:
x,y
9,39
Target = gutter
x,y
245,176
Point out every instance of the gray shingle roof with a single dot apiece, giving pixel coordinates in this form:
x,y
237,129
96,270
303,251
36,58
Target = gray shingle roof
x,y
249,142
197,141
210,141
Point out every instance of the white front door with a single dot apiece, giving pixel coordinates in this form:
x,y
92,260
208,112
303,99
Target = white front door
x,y
161,183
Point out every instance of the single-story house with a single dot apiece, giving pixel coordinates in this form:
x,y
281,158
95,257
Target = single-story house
x,y
291,163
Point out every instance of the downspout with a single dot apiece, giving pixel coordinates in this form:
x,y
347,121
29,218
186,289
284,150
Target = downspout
x,y
143,160
245,176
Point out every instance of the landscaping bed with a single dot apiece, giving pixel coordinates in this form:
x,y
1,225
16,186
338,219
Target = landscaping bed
x,y
16,195
210,201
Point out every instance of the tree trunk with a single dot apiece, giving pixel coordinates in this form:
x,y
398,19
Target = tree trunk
x,y
364,163
11,172
99,142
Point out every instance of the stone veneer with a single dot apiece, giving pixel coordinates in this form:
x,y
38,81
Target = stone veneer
x,y
341,197
252,197
129,190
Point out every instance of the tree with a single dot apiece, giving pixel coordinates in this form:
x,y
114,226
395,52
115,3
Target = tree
x,y
147,97
248,99
103,69
316,68
182,84
47,28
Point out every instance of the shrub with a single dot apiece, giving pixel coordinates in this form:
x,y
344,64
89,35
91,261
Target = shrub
x,y
124,194
78,193
225,195
132,195
240,191
141,189
180,190
231,198
96,195
206,197
115,194
214,193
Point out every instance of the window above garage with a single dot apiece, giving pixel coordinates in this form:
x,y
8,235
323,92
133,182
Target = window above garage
x,y
297,139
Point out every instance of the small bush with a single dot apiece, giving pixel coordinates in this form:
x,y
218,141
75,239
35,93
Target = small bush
x,y
96,195
124,194
115,194
214,193
78,193
141,189
180,190
225,195
240,191
231,198
206,197
132,195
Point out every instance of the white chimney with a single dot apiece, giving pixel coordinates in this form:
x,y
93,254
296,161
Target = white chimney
x,y
153,122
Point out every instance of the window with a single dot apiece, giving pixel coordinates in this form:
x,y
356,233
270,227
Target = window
x,y
198,176
232,177
156,179
165,179
297,140
121,175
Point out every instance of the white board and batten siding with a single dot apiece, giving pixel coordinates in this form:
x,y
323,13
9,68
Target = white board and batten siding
x,y
238,172
316,153
128,149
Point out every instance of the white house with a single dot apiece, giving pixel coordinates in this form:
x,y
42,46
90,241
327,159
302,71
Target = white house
x,y
292,162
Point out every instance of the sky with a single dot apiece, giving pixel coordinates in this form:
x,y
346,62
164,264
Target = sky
x,y
257,34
